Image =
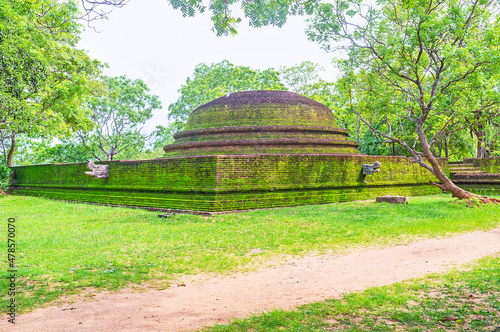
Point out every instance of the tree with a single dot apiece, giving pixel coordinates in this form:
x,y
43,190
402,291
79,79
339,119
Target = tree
x,y
68,150
210,82
259,13
435,64
304,79
93,10
44,79
117,116
165,135
492,138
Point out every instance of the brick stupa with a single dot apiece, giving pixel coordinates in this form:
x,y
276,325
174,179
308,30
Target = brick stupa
x,y
253,122
247,150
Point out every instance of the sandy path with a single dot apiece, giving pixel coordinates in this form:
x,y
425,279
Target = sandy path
x,y
219,299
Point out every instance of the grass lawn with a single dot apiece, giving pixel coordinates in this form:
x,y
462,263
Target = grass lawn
x,y
63,248
457,301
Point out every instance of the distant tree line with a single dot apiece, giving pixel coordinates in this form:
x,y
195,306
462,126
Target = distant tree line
x,y
119,112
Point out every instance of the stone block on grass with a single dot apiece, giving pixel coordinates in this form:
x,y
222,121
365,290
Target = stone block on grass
x,y
392,199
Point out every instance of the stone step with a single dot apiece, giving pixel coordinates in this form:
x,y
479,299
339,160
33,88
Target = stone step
x,y
460,165
477,181
483,176
463,167
468,172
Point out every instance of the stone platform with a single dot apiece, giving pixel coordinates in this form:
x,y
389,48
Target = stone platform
x,y
227,182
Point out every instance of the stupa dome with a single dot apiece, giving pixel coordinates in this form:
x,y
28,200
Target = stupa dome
x,y
261,122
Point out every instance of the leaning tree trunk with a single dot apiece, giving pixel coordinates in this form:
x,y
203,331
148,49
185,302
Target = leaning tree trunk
x,y
446,184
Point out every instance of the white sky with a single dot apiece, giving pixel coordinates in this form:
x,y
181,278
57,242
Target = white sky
x,y
147,39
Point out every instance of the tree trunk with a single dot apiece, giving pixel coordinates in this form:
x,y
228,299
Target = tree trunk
x,y
446,153
11,151
479,150
446,184
479,132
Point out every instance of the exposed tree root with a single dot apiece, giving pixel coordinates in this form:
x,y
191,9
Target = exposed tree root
x,y
465,195
488,200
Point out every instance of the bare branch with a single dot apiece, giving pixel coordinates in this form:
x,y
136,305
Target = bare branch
x,y
98,10
417,157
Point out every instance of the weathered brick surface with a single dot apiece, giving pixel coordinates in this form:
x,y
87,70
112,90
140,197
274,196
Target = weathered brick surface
x,y
175,174
253,122
486,189
488,165
261,108
230,182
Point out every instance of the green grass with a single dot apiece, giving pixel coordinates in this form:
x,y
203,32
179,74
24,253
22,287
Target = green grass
x,y
457,301
63,248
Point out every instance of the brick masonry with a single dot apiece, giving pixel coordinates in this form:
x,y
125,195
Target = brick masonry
x,y
491,169
227,182
488,165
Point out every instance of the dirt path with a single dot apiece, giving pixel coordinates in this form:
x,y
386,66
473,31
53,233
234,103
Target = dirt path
x,y
217,300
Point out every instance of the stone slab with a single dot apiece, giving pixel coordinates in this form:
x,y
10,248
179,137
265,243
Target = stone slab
x,y
392,199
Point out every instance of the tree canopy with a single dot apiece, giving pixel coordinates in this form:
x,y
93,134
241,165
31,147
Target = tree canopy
x,y
44,78
209,82
225,14
259,13
117,116
432,65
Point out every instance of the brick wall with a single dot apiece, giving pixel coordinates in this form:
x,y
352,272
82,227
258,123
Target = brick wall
x,y
488,165
230,182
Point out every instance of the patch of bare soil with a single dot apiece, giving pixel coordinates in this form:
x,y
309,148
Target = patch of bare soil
x,y
206,301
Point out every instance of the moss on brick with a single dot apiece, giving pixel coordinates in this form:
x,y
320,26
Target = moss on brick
x,y
222,183
176,174
261,122
486,189
249,148
281,198
284,171
261,108
488,165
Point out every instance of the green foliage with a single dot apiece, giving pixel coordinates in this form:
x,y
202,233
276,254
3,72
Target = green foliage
x,y
4,176
165,135
44,78
261,13
42,152
304,79
211,82
413,64
135,246
492,138
301,78
466,300
117,116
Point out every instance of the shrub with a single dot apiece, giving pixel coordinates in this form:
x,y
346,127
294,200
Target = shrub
x,y
4,177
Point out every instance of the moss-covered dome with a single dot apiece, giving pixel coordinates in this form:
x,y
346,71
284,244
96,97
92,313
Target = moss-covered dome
x,y
261,108
261,122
